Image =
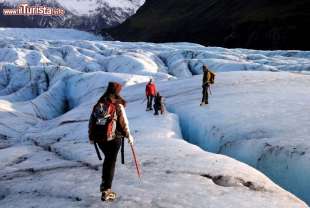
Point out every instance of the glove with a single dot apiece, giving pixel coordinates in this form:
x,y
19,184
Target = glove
x,y
130,140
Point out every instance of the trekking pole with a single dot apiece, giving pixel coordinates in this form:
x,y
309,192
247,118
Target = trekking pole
x,y
123,151
136,161
210,90
97,151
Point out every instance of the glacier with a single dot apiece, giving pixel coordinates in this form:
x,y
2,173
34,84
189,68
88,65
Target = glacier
x,y
260,118
258,115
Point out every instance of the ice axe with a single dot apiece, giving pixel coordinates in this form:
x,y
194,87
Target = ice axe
x,y
143,100
136,161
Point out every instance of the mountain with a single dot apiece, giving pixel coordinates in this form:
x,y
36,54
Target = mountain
x,y
90,15
257,24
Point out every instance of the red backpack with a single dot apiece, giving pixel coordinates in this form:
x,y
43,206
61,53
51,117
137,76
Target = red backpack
x,y
105,121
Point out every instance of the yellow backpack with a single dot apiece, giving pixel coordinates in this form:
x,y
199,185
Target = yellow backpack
x,y
211,77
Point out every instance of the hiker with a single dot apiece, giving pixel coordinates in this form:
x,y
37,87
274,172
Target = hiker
x,y
150,92
208,79
158,104
108,126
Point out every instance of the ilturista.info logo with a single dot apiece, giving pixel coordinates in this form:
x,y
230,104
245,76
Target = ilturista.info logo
x,y
27,10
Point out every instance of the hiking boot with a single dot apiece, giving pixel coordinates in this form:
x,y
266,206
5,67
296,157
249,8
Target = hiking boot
x,y
108,195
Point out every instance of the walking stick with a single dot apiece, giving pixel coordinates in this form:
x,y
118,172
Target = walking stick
x,y
136,161
143,100
123,151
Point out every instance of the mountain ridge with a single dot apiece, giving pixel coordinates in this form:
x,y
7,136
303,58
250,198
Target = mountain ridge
x,y
275,24
86,15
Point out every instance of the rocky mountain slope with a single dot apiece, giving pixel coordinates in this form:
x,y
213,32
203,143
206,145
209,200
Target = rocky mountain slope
x,y
257,24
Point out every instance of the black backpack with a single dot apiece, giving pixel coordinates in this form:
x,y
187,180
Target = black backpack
x,y
105,120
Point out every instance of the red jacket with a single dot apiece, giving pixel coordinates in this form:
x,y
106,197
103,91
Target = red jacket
x,y
150,89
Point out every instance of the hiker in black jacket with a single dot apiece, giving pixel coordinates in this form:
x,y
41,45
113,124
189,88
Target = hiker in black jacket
x,y
158,104
207,80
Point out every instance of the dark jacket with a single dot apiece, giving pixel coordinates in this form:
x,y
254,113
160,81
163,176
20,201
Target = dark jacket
x,y
205,79
158,101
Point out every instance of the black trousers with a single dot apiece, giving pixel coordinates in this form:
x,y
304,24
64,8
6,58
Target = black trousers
x,y
205,94
149,102
158,108
110,150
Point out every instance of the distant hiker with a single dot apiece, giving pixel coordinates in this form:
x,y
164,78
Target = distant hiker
x,y
108,126
150,92
208,79
158,104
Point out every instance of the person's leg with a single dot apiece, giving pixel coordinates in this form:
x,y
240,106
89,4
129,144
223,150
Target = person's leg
x,y
110,150
155,109
148,103
104,148
203,94
151,101
207,95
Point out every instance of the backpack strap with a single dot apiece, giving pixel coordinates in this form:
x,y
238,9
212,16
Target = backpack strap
x,y
97,151
123,150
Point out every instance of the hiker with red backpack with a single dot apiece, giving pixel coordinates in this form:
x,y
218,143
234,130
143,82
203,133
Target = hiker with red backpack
x,y
108,126
150,92
207,80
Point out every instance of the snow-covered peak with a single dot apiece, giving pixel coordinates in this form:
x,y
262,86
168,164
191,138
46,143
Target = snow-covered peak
x,y
90,15
86,7
89,7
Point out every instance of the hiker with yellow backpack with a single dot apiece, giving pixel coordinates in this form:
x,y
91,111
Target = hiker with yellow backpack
x,y
207,80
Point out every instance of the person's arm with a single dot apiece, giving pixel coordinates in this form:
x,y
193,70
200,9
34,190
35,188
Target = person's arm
x,y
123,122
205,78
91,124
155,90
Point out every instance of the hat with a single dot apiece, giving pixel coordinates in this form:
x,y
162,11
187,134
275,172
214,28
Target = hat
x,y
114,87
205,66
